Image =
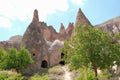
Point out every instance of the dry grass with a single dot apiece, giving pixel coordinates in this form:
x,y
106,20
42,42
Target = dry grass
x,y
8,72
56,73
56,70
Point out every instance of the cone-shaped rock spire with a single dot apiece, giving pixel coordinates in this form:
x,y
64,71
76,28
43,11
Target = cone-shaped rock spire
x,y
81,18
70,28
62,29
35,16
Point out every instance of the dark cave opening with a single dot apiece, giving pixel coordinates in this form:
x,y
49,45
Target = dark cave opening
x,y
33,54
62,62
44,64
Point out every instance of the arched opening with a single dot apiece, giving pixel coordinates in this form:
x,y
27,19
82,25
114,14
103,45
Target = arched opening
x,y
62,62
44,64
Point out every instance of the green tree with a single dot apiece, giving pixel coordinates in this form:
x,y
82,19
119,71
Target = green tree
x,y
3,55
14,59
24,59
92,47
11,60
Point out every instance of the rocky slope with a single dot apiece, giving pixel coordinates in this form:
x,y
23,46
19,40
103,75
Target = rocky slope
x,y
14,41
112,26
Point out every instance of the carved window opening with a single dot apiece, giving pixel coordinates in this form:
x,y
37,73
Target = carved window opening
x,y
44,64
33,54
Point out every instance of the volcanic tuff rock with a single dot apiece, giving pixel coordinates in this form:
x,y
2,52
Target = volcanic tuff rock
x,y
44,30
62,32
55,53
14,41
50,34
54,34
112,26
35,17
34,41
81,18
69,30
62,29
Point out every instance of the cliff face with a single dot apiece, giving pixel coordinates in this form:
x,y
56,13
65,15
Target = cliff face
x,y
112,26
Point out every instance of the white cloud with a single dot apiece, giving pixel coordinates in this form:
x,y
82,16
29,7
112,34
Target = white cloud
x,y
23,9
79,2
5,23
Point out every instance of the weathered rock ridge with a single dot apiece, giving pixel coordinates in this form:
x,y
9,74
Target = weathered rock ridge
x,y
14,41
112,26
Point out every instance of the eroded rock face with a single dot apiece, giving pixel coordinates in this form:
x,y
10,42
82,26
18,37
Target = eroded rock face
x,y
54,34
13,42
81,18
54,51
44,30
34,41
70,30
112,26
62,32
62,29
35,17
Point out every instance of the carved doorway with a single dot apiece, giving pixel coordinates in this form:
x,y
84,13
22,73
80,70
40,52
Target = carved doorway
x,y
44,64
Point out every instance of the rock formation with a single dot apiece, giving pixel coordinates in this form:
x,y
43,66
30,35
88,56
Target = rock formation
x,y
62,29
112,26
62,32
43,42
54,34
34,41
69,31
44,30
55,53
38,40
81,18
14,41
35,17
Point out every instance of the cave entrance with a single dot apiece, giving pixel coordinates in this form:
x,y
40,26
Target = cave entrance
x,y
44,64
62,62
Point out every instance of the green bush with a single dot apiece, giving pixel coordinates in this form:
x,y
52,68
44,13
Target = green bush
x,y
3,76
86,74
104,75
14,59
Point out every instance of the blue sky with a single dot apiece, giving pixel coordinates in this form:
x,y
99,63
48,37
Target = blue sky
x,y
16,15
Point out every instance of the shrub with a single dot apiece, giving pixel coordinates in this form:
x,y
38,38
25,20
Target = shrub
x,y
86,74
14,59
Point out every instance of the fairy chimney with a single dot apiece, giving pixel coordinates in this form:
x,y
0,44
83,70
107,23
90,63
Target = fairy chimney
x,y
81,18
